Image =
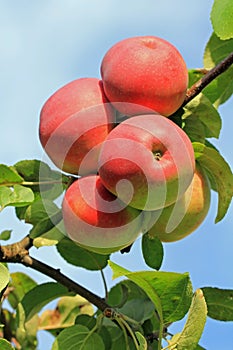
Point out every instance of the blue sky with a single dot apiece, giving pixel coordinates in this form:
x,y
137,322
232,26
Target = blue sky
x,y
47,43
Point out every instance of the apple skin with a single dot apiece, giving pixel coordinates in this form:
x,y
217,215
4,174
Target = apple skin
x,y
186,215
145,71
147,161
74,121
96,219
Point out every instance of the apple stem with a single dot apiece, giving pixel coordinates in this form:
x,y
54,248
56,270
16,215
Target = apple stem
x,y
158,155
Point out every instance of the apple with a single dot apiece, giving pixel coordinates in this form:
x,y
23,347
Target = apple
x,y
147,161
96,219
74,121
146,72
186,215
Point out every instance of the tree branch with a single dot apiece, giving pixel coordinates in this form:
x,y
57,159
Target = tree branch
x,y
19,253
15,252
37,265
221,67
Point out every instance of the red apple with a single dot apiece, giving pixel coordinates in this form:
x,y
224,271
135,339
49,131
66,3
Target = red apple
x,y
186,215
96,219
146,71
147,161
74,121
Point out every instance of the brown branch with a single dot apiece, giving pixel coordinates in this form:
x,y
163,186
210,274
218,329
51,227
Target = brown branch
x,y
19,253
213,73
15,252
55,274
6,330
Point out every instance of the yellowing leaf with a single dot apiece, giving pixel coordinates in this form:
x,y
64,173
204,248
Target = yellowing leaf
x,y
194,326
65,313
4,277
51,237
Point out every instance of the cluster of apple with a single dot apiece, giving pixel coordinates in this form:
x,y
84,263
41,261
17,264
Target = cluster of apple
x,y
135,168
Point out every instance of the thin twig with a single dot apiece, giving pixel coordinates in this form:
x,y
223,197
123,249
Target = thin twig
x,y
104,283
55,274
213,73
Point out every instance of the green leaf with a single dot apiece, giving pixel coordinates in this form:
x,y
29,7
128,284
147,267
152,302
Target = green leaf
x,y
170,292
201,111
139,314
21,284
4,277
41,295
90,323
221,174
119,271
221,88
219,303
221,18
133,290
21,196
86,320
51,183
117,295
152,250
5,345
194,326
36,171
209,144
47,224
195,129
5,235
47,220
9,176
78,256
39,210
17,196
195,75
106,337
5,196
78,337
119,342
151,329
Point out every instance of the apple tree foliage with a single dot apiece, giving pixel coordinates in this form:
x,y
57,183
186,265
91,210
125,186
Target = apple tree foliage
x,y
138,310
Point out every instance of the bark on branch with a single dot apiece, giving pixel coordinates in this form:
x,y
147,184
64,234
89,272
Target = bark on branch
x,y
19,253
55,274
15,252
